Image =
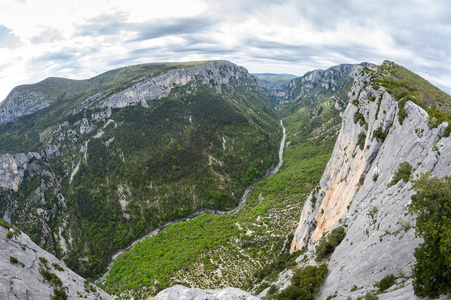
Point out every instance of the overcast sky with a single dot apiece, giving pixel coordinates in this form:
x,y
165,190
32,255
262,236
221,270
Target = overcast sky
x,y
79,39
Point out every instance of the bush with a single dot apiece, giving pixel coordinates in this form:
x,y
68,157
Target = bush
x,y
386,282
328,244
447,130
379,134
403,173
9,235
13,260
305,282
432,203
51,277
361,140
359,118
59,295
43,260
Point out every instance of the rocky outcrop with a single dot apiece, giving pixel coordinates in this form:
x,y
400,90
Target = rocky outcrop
x,y
179,292
25,269
354,192
212,74
317,84
21,102
12,171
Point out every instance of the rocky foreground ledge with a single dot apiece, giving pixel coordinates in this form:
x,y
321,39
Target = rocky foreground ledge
x,y
179,292
28,272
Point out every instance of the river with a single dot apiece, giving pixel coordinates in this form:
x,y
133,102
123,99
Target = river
x,y
204,211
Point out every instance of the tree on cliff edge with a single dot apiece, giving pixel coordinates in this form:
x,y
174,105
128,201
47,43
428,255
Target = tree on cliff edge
x,y
432,203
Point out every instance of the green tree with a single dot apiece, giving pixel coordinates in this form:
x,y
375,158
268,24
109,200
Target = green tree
x,y
432,203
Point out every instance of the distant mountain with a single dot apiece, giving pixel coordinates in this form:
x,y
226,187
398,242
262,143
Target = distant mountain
x,y
272,79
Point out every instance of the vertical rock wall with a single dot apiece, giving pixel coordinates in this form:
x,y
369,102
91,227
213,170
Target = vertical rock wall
x,y
354,191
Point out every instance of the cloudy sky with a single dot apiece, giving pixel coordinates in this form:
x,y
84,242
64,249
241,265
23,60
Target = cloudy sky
x,y
82,38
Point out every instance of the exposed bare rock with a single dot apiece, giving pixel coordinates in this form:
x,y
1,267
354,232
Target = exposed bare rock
x,y
22,265
212,74
354,192
12,171
179,292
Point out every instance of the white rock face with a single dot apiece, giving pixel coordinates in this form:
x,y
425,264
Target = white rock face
x,y
354,192
22,280
298,89
212,74
179,292
12,171
20,103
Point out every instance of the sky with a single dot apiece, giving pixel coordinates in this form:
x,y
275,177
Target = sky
x,y
79,39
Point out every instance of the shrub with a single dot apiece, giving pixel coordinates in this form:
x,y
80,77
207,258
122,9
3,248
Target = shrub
x,y
403,173
305,282
57,267
9,235
13,260
379,134
43,260
328,244
51,277
402,113
375,176
361,140
386,282
432,203
59,295
447,130
359,118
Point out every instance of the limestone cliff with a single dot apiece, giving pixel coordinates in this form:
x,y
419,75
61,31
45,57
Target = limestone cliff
x,y
318,86
354,191
28,272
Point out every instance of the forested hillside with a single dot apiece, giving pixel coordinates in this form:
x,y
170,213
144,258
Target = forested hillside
x,y
103,169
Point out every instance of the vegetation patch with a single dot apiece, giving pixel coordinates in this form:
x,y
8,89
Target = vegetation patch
x,y
361,140
379,134
304,284
405,85
327,244
385,282
359,118
432,203
403,172
50,277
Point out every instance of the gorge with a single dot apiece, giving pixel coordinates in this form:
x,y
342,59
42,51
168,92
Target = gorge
x,y
92,167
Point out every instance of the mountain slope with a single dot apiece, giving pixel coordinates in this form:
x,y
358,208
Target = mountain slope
x,y
28,272
380,134
316,87
139,146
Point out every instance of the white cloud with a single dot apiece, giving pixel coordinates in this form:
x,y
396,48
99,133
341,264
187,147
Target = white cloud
x,y
82,38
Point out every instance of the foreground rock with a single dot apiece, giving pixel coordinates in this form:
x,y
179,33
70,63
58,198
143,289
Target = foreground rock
x,y
28,272
355,192
179,292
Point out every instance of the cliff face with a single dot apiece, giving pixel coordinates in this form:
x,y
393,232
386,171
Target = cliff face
x,y
22,265
213,74
318,86
354,191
